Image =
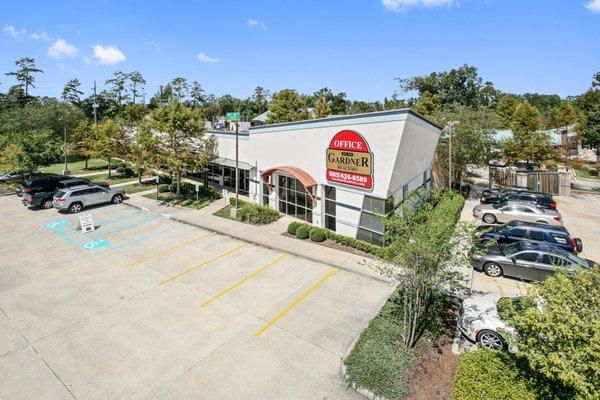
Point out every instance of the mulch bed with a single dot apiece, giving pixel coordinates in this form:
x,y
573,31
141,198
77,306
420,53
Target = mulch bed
x,y
336,246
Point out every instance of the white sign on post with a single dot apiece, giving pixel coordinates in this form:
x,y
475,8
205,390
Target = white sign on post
x,y
85,223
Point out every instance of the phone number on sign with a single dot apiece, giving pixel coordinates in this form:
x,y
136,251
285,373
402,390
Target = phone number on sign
x,y
347,177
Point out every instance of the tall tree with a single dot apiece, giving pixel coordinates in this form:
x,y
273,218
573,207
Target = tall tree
x,y
136,84
287,106
261,99
71,92
506,109
322,109
526,120
118,87
25,73
197,94
182,143
110,140
589,104
528,143
563,117
180,88
427,104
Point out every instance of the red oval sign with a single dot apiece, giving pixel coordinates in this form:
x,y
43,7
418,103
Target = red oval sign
x,y
349,160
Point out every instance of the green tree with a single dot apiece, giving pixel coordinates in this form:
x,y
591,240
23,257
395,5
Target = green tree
x,y
26,151
261,99
589,105
337,102
197,94
427,104
180,88
118,87
136,84
287,106
526,119
322,109
558,329
71,92
505,110
25,73
527,144
82,140
182,143
564,116
110,139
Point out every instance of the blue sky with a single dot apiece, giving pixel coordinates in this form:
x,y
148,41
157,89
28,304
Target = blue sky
x,y
358,46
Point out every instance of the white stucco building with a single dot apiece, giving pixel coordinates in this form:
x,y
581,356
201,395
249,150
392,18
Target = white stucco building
x,y
337,172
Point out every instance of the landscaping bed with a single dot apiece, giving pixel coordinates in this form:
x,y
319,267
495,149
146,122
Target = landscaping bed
x,y
249,213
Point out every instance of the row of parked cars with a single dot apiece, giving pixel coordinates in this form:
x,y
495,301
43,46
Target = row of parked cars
x,y
530,243
66,193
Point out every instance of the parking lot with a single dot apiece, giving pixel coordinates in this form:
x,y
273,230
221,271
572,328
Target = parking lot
x,y
145,307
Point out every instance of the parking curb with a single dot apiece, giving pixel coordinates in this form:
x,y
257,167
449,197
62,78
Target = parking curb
x,y
271,247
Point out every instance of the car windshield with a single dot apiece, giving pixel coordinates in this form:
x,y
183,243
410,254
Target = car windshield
x,y
499,205
579,261
509,249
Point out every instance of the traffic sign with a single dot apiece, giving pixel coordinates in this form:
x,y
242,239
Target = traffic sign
x,y
232,116
85,223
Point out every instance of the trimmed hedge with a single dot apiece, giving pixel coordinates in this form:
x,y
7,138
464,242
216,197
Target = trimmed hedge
x,y
317,234
256,214
189,190
292,227
164,188
492,375
303,232
377,251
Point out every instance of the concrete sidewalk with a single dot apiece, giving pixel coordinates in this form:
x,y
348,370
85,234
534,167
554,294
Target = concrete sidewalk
x,y
269,236
101,172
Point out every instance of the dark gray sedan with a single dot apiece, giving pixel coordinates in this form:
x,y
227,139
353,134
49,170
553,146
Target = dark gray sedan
x,y
529,261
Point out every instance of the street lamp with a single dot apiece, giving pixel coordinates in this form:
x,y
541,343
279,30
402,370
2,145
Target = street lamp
x,y
450,125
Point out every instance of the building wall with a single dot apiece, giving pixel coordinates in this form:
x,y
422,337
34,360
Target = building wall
x,y
402,145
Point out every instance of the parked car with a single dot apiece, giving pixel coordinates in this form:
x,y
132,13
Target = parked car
x,y
78,182
12,177
479,322
76,198
542,200
528,261
516,211
516,231
38,191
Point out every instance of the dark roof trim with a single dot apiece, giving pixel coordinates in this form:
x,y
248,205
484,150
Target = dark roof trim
x,y
350,116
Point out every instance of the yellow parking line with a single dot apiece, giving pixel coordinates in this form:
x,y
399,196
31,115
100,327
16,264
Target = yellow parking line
x,y
133,264
297,301
203,263
244,280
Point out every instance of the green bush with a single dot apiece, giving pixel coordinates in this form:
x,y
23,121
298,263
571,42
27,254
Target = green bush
x,y
292,227
366,247
240,202
316,234
256,214
164,188
164,179
492,375
303,231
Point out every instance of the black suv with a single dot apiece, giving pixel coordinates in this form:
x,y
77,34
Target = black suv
x,y
39,191
516,231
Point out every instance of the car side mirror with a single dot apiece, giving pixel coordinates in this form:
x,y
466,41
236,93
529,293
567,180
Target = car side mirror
x,y
514,260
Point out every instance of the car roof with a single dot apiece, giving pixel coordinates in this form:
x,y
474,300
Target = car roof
x,y
537,225
78,187
545,247
74,180
519,203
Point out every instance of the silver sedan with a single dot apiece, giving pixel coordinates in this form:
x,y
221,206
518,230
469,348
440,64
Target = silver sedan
x,y
516,211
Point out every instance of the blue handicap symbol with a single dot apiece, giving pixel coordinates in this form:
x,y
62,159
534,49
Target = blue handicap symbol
x,y
53,225
96,244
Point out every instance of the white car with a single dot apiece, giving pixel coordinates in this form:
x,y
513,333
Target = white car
x,y
479,322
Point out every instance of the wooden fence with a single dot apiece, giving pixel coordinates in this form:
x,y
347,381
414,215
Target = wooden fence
x,y
550,182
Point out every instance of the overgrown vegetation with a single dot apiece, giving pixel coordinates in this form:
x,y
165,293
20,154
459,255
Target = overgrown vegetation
x,y
250,213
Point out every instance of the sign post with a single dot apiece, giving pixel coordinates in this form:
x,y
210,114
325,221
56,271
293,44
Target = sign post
x,y
157,180
235,117
197,192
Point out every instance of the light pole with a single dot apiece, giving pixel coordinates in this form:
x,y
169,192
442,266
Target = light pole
x,y
450,125
237,169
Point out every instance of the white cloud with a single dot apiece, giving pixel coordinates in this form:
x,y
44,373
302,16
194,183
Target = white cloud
x,y
403,5
593,6
14,32
254,23
60,48
108,55
41,36
206,59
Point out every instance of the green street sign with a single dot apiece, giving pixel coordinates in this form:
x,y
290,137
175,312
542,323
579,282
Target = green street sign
x,y
232,116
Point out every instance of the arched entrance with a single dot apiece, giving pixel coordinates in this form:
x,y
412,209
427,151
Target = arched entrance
x,y
295,191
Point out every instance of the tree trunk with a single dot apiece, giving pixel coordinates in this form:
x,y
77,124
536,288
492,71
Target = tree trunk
x,y
178,183
86,162
109,168
140,177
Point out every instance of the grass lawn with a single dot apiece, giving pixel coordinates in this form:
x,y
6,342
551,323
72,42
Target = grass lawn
x,y
224,213
115,178
139,188
183,202
585,173
76,166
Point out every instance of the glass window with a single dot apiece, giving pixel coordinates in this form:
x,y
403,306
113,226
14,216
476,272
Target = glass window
x,y
555,261
374,205
330,222
369,237
330,192
529,256
517,232
527,210
559,238
329,207
537,235
371,222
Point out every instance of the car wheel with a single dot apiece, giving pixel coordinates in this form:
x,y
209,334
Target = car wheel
x,y
75,208
490,340
489,219
493,270
117,199
46,204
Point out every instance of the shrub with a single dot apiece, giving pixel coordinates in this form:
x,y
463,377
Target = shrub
x,y
303,231
316,234
366,247
240,202
164,179
492,375
163,188
292,227
256,214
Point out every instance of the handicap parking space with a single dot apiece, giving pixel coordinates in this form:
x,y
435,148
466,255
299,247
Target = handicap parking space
x,y
162,309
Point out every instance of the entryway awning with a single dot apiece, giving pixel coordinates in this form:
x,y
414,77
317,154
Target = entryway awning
x,y
231,163
305,179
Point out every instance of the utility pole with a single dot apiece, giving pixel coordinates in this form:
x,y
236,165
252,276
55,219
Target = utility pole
x,y
237,169
95,105
66,171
